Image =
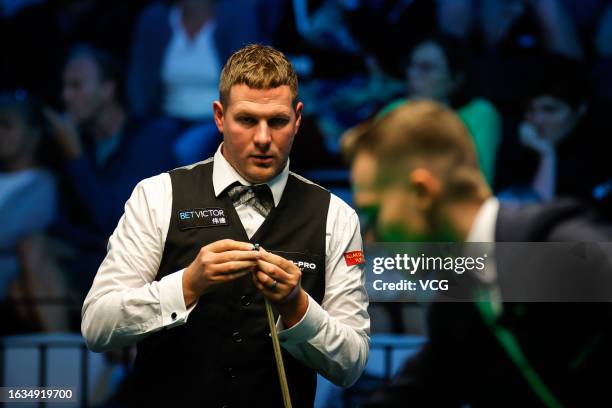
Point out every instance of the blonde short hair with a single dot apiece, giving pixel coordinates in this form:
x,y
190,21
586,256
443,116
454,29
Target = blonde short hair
x,y
259,67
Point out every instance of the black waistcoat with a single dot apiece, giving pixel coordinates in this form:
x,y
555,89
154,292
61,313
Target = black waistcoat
x,y
223,354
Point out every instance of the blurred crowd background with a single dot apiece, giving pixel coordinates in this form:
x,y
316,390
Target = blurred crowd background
x,y
97,95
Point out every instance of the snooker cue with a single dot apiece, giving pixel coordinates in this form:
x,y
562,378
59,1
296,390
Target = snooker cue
x,y
278,356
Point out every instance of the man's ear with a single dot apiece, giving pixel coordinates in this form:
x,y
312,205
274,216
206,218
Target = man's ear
x,y
299,107
426,186
218,115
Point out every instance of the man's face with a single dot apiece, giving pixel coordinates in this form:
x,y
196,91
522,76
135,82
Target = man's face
x,y
404,210
83,90
258,127
399,217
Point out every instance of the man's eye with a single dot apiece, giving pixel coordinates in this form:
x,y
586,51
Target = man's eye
x,y
245,120
278,122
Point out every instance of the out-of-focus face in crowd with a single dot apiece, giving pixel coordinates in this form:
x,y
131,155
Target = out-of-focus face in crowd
x,y
84,91
428,73
258,127
17,138
552,118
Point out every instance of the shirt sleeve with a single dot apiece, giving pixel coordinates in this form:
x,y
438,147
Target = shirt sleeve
x,y
333,338
125,303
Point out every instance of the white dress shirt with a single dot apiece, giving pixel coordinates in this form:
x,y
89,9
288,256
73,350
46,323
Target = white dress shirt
x,y
126,304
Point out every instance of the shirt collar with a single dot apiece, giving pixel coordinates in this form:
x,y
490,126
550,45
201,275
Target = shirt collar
x,y
483,227
225,175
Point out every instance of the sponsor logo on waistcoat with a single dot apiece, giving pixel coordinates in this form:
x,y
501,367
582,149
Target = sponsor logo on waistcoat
x,y
201,218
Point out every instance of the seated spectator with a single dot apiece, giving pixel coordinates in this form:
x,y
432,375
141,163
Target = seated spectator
x,y
175,73
105,153
437,70
27,208
561,128
175,64
42,33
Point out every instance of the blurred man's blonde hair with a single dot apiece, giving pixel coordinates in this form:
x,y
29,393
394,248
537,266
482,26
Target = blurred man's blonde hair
x,y
428,135
259,67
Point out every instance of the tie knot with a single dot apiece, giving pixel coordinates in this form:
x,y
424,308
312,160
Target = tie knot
x,y
258,196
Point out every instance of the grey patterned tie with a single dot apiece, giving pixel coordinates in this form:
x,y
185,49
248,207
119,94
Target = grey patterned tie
x,y
258,196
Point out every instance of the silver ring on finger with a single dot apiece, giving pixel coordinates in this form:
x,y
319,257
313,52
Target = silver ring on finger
x,y
274,284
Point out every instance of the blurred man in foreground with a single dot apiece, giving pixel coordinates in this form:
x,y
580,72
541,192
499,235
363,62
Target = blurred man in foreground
x,y
486,353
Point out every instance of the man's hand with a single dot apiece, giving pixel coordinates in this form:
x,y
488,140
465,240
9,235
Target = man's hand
x,y
280,281
528,135
65,133
217,263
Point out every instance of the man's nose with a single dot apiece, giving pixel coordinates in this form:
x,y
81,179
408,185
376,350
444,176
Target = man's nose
x,y
262,134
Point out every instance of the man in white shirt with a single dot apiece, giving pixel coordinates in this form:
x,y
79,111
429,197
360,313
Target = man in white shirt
x,y
181,279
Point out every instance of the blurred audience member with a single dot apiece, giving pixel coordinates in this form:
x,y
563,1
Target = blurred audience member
x,y
564,131
438,69
175,64
105,152
177,52
41,35
27,207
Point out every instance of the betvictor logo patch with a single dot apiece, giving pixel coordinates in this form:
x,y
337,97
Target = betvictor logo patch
x,y
201,218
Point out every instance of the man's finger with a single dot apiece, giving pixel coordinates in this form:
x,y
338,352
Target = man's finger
x,y
236,255
272,270
235,275
275,259
229,245
234,267
257,283
265,280
266,284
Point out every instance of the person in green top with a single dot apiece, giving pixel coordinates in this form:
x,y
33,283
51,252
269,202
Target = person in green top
x,y
436,69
